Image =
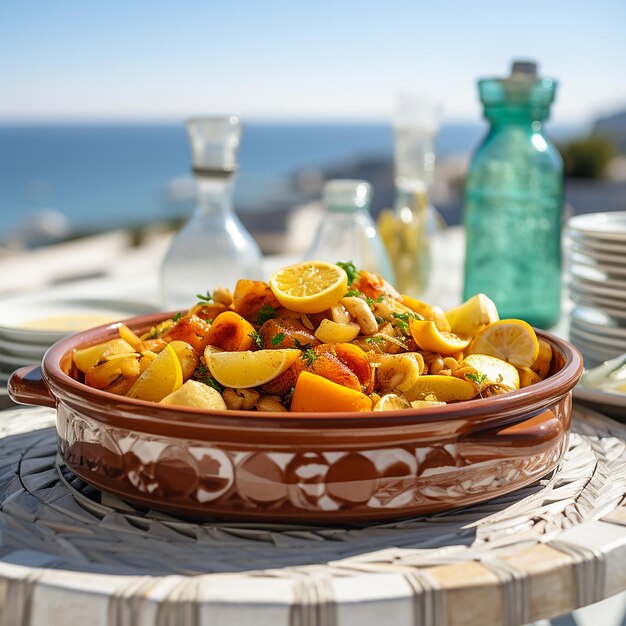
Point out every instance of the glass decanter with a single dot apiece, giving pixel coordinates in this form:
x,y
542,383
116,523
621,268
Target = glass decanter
x,y
409,230
347,231
213,248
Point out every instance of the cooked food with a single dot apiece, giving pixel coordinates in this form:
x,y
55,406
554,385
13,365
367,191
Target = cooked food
x,y
319,337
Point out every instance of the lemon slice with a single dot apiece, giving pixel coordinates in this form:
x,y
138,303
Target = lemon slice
x,y
484,370
162,377
428,337
443,388
310,287
469,318
511,340
391,402
245,369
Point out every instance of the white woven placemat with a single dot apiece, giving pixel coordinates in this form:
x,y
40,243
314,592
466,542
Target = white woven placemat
x,y
69,553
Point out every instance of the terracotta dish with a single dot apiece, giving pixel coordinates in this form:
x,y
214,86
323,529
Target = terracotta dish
x,y
299,467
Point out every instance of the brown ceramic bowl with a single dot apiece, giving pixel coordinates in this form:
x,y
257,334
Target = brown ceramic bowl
x,y
302,467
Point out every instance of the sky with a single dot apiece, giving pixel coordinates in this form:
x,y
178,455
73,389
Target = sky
x,y
284,59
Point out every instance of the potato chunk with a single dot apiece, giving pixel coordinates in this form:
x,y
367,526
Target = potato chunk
x,y
197,395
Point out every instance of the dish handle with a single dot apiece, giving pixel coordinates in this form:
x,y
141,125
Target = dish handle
x,y
26,386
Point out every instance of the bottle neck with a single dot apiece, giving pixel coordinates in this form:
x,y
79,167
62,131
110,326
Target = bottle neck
x,y
215,195
522,115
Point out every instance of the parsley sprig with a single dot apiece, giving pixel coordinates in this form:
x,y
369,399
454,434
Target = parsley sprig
x,y
256,338
308,353
350,269
266,312
278,338
479,379
402,321
203,375
204,298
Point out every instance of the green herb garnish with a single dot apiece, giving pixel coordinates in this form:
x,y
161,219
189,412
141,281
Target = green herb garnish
x,y
350,269
278,338
254,335
177,316
379,319
202,374
353,293
308,353
267,312
374,339
479,379
402,321
204,299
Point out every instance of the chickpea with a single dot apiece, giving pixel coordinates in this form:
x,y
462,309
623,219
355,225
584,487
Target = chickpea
x,y
436,365
240,399
222,295
270,403
450,363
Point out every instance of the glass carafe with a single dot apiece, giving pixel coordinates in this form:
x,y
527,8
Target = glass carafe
x,y
410,229
347,231
213,248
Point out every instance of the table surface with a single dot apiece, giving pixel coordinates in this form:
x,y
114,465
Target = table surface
x,y
69,551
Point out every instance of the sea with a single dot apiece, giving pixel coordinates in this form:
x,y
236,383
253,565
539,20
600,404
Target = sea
x,y
97,177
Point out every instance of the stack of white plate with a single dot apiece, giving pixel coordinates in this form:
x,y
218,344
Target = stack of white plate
x,y
597,285
29,325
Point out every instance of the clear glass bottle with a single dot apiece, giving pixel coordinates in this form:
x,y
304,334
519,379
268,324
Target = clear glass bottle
x,y
213,248
410,229
513,201
347,231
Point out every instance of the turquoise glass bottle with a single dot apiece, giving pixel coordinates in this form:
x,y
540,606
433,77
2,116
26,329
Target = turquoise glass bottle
x,y
513,201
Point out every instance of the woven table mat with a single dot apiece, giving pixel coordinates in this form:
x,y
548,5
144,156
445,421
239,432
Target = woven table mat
x,y
540,551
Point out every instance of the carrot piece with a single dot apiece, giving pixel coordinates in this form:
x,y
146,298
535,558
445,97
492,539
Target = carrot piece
x,y
315,394
355,359
191,329
250,296
230,332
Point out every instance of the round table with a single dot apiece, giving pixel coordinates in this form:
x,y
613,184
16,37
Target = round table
x,y
70,554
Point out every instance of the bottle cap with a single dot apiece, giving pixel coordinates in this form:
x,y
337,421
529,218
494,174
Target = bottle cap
x,y
524,68
214,142
343,194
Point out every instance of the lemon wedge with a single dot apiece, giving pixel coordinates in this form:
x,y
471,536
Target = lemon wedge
x,y
469,318
484,370
510,340
391,402
162,377
310,287
245,369
444,388
428,337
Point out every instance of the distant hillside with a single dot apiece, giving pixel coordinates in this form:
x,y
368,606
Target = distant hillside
x,y
613,126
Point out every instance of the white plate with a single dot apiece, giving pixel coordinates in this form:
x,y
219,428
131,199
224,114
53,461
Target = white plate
x,y
15,348
17,361
585,287
581,260
585,274
599,341
599,245
598,321
609,305
610,226
607,403
33,319
616,258
606,332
